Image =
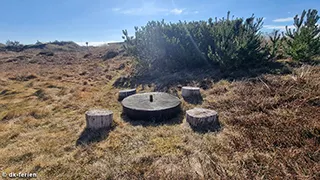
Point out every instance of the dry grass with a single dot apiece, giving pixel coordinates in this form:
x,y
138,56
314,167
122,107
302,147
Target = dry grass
x,y
271,127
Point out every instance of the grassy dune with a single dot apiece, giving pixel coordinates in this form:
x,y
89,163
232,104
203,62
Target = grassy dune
x,y
271,126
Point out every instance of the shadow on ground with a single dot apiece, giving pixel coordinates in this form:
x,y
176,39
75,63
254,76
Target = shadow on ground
x,y
216,127
173,121
89,136
202,78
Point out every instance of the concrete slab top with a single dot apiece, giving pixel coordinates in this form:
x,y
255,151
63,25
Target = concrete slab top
x,y
153,101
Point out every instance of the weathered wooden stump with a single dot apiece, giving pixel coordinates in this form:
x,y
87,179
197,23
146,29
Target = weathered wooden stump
x,y
99,118
190,92
203,119
191,95
125,93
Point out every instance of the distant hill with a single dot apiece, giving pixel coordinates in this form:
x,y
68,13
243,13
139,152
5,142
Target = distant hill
x,y
116,43
50,46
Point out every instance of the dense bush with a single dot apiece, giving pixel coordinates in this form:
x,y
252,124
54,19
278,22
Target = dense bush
x,y
303,42
14,46
12,43
237,43
231,44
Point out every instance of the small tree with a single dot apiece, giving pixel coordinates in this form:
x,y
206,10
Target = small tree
x,y
303,42
237,43
13,43
129,42
275,39
38,43
14,46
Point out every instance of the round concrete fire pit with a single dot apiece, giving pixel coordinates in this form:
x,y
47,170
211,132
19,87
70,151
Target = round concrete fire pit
x,y
151,106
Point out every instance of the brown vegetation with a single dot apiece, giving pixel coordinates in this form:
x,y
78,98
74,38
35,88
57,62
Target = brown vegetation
x,y
270,123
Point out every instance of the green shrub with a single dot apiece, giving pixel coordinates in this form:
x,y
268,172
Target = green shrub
x,y
303,42
129,43
14,46
231,44
237,43
38,43
12,43
161,46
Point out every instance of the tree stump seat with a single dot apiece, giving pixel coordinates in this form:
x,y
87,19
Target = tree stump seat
x,y
203,119
99,118
125,93
190,92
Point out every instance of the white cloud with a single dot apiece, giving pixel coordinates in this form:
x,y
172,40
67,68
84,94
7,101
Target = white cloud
x,y
176,11
115,9
97,43
147,9
134,11
288,19
277,27
190,12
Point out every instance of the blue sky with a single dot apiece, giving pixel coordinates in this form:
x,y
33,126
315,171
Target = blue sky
x,y
98,21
